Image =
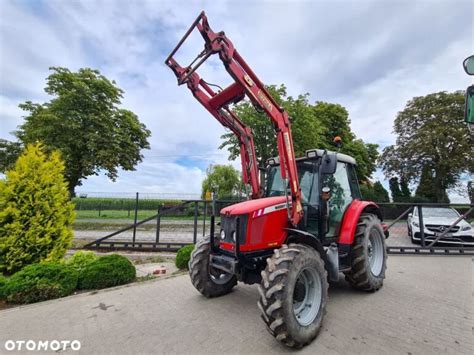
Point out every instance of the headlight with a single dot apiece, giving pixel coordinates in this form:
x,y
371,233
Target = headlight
x,y
465,228
233,236
415,224
222,234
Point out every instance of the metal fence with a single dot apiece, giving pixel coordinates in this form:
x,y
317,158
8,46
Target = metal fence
x,y
159,232
411,232
159,238
127,205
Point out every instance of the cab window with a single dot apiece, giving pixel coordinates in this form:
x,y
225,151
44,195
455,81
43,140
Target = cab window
x,y
341,196
354,182
306,176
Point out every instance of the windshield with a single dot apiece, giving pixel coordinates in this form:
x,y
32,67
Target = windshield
x,y
306,176
439,212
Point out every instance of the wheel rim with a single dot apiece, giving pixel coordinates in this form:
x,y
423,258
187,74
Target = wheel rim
x,y
307,296
219,277
376,252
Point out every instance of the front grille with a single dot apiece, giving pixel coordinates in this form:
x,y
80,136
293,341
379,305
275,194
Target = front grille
x,y
228,225
441,228
460,239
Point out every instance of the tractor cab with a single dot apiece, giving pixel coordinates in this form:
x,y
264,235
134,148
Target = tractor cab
x,y
324,196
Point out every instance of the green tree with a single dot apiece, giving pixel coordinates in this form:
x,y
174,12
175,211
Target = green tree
x,y
223,180
431,134
313,126
380,193
9,152
36,214
375,192
395,189
85,123
405,190
426,192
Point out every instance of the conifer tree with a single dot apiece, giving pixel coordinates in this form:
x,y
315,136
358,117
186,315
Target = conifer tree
x,y
36,214
395,189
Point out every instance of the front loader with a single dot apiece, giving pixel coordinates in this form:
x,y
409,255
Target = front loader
x,y
301,230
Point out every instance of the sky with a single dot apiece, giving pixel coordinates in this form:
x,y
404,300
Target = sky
x,y
369,56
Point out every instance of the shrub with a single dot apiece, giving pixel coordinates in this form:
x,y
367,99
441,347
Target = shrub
x,y
3,281
80,260
36,215
39,282
183,256
107,271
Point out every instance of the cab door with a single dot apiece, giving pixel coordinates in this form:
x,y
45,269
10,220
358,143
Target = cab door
x,y
341,196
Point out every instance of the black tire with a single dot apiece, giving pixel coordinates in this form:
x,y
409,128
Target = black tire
x,y
361,276
277,291
205,279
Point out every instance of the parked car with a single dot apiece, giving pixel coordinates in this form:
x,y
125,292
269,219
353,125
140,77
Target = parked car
x,y
437,220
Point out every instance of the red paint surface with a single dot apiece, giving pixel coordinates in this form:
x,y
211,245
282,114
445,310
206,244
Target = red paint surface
x,y
350,219
252,205
264,230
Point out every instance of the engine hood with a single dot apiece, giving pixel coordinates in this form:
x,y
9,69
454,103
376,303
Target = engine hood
x,y
250,206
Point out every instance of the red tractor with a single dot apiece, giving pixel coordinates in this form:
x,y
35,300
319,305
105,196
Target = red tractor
x,y
293,235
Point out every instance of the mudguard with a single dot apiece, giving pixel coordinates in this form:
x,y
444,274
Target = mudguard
x,y
300,236
351,217
303,237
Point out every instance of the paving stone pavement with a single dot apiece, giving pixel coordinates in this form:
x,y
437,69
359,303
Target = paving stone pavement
x,y
425,307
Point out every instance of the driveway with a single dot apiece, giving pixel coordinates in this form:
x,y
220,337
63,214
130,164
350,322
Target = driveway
x,y
425,306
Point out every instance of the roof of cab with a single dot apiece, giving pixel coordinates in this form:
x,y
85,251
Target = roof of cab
x,y
319,152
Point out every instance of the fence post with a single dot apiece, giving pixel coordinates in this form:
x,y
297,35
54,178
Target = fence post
x,y
135,220
99,208
213,204
195,221
204,219
158,225
422,226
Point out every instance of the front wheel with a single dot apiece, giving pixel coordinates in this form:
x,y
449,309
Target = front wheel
x,y
293,294
369,255
207,280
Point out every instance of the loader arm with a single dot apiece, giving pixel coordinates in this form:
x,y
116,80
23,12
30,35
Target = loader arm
x,y
246,84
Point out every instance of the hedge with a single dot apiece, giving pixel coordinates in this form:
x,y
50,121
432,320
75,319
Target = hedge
x,y
107,271
39,282
80,260
183,256
3,281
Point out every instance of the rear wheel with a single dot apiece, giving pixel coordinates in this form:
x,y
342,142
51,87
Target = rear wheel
x,y
369,255
207,280
293,294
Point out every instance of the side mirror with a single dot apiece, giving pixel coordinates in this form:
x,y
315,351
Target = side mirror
x,y
328,163
469,108
468,65
410,215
